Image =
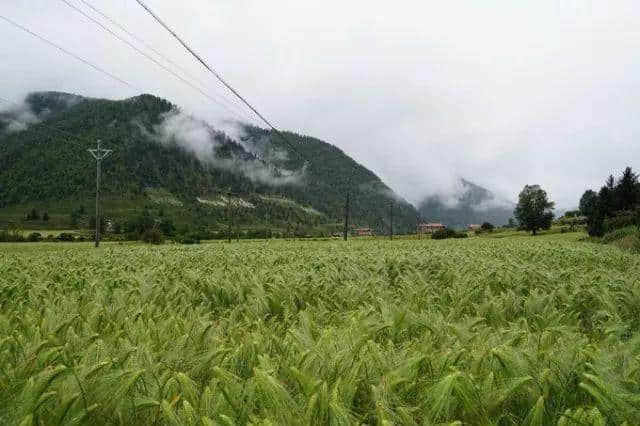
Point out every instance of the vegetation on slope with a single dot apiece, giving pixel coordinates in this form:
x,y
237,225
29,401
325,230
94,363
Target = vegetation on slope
x,y
39,165
616,205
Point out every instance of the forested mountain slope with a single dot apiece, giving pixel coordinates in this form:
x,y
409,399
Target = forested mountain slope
x,y
156,147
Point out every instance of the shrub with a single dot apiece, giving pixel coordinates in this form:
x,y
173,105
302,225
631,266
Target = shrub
x,y
132,236
65,236
630,242
487,226
622,219
11,236
619,234
442,234
190,238
152,236
34,236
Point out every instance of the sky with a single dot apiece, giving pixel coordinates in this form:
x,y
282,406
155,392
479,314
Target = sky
x,y
500,93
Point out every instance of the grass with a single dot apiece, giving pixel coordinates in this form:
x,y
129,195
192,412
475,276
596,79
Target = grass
x,y
483,331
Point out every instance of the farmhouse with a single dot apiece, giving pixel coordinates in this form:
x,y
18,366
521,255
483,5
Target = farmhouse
x,y
361,232
428,228
475,227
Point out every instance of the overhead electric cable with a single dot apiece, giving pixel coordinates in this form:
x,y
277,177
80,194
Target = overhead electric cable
x,y
160,54
218,76
152,59
67,52
138,39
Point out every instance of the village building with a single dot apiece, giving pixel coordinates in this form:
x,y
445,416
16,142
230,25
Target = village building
x,y
475,227
362,232
429,228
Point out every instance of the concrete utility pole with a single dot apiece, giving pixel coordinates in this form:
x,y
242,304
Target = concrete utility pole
x,y
346,217
229,216
346,206
99,154
391,221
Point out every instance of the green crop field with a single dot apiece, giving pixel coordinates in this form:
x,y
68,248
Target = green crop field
x,y
483,331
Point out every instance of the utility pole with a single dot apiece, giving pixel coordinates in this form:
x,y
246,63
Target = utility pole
x,y
346,206
99,154
229,217
346,216
391,221
237,228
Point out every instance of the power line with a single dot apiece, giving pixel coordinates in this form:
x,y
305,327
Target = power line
x,y
67,52
88,63
218,76
133,36
148,46
150,58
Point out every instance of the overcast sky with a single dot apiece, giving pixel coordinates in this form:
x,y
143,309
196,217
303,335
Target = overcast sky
x,y
502,93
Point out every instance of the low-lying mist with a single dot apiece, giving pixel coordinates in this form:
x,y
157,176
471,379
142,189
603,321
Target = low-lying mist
x,y
201,139
17,118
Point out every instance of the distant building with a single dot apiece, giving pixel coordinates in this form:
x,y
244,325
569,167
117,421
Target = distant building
x,y
475,227
361,232
428,228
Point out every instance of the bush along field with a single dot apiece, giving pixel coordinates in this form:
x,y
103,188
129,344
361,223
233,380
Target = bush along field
x,y
475,331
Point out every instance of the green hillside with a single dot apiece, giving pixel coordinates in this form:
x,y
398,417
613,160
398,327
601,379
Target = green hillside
x,y
48,170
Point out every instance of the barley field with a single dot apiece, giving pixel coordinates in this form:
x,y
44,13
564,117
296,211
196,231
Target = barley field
x,y
534,331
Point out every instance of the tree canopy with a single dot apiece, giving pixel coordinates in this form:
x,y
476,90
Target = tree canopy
x,y
534,210
614,199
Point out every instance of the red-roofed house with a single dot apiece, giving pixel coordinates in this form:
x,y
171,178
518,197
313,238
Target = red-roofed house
x,y
428,228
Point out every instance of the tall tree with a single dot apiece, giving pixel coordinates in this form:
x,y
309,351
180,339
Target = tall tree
x,y
627,190
534,210
588,202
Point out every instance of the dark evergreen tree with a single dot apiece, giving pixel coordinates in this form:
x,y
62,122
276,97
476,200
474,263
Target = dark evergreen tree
x,y
33,215
588,202
627,191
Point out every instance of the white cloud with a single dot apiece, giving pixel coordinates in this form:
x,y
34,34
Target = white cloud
x,y
18,117
199,138
504,93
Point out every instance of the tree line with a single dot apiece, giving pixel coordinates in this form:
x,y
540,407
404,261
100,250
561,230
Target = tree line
x,y
614,206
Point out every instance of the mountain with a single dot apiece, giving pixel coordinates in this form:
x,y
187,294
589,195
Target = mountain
x,y
165,161
468,205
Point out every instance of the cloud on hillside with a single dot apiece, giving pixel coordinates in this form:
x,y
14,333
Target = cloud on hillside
x,y
199,138
504,93
17,118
